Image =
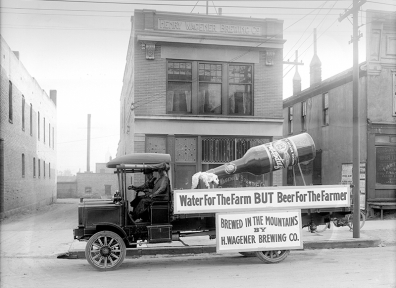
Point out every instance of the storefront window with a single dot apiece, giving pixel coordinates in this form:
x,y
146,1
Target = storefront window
x,y
217,151
386,165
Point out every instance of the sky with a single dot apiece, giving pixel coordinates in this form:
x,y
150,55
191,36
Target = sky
x,y
79,48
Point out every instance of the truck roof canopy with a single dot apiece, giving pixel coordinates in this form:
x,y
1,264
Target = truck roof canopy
x,y
148,159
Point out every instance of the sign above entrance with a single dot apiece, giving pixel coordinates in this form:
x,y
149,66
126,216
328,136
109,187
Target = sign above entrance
x,y
260,198
208,27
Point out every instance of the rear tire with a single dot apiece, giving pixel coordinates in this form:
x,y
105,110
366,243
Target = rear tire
x,y
349,218
105,251
273,256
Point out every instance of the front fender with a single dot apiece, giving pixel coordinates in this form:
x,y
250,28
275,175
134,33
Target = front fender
x,y
111,227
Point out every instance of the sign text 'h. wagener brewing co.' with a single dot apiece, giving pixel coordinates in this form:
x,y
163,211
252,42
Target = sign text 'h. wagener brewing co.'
x,y
260,198
258,231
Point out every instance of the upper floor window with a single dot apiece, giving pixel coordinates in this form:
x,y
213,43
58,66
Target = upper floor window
x,y
240,89
31,119
38,167
290,120
179,87
326,119
23,113
209,88
23,165
44,129
34,167
10,110
38,125
304,116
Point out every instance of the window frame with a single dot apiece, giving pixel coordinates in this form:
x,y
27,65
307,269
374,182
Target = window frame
x,y
44,130
290,127
304,116
34,167
10,99
325,109
31,119
23,113
179,81
38,125
225,84
23,166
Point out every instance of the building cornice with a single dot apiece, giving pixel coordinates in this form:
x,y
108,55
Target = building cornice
x,y
208,119
209,39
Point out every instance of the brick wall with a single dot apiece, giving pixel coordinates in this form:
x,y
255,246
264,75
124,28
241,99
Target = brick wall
x,y
28,191
268,87
150,83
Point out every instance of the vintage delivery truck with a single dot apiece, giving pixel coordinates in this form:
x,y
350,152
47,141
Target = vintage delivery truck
x,y
110,230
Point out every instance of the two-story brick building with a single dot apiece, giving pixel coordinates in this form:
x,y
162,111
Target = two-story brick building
x,y
27,138
324,110
203,89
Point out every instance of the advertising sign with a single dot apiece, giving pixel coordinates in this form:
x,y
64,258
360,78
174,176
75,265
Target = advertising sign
x,y
260,198
346,179
258,231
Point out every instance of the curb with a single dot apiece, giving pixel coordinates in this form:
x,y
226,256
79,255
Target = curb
x,y
211,249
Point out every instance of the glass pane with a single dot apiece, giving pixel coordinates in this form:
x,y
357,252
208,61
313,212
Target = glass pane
x,y
178,97
210,72
240,73
240,100
179,71
386,165
210,98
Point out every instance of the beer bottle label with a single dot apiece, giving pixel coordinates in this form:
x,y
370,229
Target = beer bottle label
x,y
283,154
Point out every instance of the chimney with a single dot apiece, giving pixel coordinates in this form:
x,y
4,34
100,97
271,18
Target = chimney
x,y
316,66
16,53
53,96
296,79
88,142
220,11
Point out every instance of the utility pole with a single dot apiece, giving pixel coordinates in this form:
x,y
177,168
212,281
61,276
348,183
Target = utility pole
x,y
89,143
355,117
295,62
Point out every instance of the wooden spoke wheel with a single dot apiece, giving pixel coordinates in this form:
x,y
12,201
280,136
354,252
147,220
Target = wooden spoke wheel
x,y
105,251
273,256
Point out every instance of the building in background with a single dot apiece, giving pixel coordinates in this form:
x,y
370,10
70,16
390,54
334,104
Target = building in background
x,y
101,184
324,110
203,89
27,138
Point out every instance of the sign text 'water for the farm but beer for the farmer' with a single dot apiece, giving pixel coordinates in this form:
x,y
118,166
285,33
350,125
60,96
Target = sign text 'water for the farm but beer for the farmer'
x,y
258,231
260,198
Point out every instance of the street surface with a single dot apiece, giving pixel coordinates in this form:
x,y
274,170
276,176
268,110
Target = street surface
x,y
31,242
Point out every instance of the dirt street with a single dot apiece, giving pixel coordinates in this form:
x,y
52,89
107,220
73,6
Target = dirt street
x,y
31,242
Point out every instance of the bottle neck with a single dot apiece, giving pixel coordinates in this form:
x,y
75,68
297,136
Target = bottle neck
x,y
228,168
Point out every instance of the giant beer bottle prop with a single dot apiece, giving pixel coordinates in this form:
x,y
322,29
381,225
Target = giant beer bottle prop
x,y
271,156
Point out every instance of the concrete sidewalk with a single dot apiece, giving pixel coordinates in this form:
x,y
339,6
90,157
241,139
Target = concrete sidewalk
x,y
48,232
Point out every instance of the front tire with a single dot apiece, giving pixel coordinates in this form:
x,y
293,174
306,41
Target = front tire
x,y
274,256
105,251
